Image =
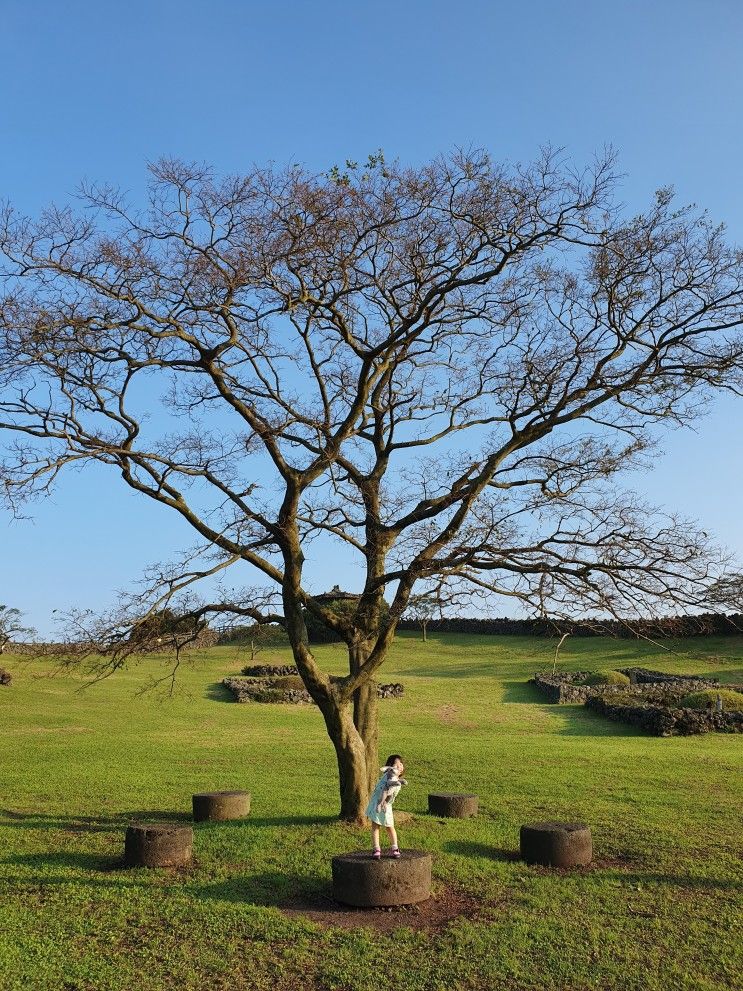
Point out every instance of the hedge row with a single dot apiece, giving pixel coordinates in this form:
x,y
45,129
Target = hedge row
x,y
708,624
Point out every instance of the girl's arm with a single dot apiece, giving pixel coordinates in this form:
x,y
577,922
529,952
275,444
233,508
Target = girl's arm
x,y
393,787
387,793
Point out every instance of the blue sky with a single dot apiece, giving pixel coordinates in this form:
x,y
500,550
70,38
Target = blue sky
x,y
98,89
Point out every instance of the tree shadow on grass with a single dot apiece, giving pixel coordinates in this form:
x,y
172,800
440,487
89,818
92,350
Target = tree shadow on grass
x,y
458,671
41,820
88,824
521,691
120,820
217,692
479,851
270,889
576,720
314,820
250,822
95,862
678,881
587,723
266,890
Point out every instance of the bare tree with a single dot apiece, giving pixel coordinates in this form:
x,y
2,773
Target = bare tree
x,y
727,593
444,368
422,608
11,626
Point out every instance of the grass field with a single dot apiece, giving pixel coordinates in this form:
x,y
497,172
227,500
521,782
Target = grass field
x,y
661,907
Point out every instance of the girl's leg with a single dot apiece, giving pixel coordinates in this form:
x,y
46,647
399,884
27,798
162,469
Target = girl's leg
x,y
394,849
376,852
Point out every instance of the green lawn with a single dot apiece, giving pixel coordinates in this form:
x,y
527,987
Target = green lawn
x,y
661,907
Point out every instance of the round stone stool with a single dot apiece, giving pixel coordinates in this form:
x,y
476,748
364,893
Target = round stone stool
x,y
556,844
453,806
158,844
218,806
361,881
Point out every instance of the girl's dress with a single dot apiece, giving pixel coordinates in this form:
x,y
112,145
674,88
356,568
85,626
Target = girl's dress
x,y
390,783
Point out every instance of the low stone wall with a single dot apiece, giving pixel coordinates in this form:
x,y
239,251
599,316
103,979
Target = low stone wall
x,y
561,689
269,670
263,690
391,691
662,720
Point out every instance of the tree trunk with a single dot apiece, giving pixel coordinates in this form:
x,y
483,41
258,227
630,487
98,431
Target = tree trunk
x,y
350,752
351,723
353,728
366,721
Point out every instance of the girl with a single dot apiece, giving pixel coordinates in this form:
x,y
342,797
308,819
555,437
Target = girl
x,y
379,809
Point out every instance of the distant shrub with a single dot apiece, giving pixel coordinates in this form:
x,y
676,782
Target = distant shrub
x,y
260,635
607,678
707,699
5,678
318,632
289,682
268,670
269,695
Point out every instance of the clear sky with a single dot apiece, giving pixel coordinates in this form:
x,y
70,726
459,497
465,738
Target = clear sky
x,y
97,89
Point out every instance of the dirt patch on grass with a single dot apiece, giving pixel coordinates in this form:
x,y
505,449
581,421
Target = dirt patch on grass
x,y
436,913
449,715
619,863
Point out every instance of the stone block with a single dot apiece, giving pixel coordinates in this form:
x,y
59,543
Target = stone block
x,y
361,881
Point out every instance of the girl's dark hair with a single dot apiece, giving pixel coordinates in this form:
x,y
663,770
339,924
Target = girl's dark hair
x,y
391,760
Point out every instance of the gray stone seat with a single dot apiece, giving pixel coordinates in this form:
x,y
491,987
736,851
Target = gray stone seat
x,y
453,805
361,881
556,844
158,844
218,806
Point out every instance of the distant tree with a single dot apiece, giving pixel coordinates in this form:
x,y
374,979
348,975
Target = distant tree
x,y
442,367
254,637
107,640
158,629
11,626
422,609
319,631
343,609
727,593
